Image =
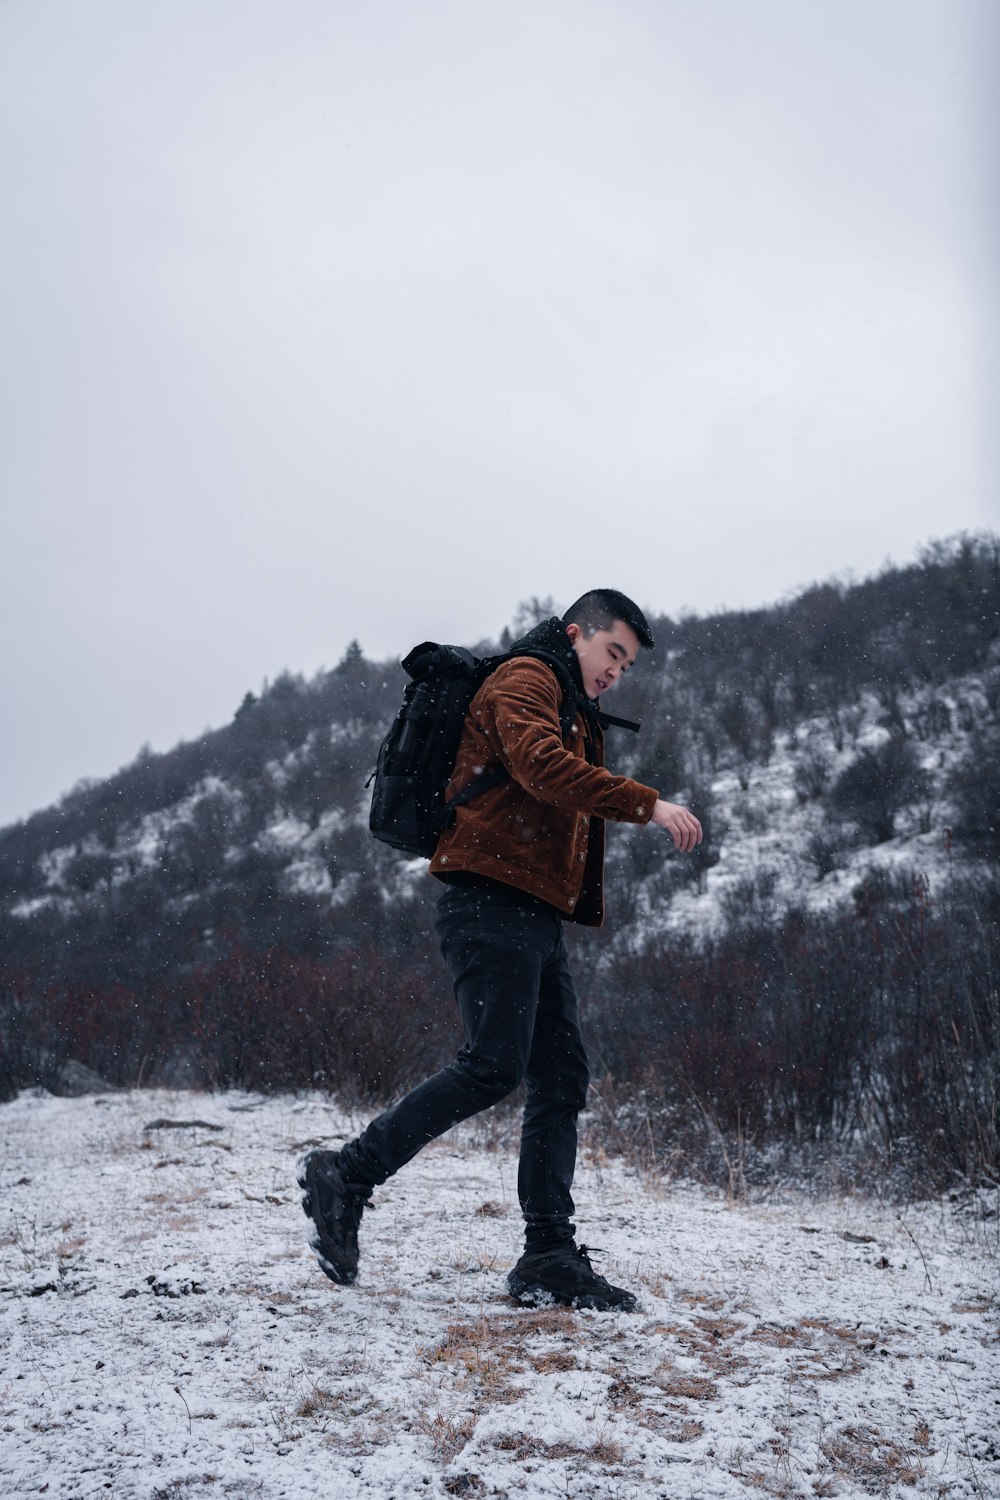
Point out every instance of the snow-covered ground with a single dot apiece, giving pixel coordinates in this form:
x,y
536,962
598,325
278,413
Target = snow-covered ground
x,y
165,1332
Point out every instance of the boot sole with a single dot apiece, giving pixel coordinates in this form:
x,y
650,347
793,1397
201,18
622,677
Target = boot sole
x,y
306,1178
533,1294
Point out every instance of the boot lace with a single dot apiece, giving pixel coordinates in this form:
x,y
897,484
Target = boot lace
x,y
585,1252
357,1198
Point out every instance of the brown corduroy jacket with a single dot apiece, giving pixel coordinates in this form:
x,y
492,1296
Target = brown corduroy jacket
x,y
542,829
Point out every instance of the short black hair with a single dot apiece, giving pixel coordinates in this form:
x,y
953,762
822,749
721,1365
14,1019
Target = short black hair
x,y
600,608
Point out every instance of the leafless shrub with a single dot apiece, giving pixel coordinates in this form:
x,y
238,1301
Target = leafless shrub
x,y
825,849
877,784
858,1043
811,775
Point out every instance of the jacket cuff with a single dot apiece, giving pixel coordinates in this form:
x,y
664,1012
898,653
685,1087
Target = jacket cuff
x,y
644,802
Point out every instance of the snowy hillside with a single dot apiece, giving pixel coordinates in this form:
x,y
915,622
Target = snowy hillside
x,y
817,973
756,719
167,1334
773,840
780,847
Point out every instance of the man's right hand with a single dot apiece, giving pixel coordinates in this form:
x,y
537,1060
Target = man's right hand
x,y
683,826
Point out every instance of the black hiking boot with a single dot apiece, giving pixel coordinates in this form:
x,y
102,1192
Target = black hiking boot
x,y
335,1206
565,1275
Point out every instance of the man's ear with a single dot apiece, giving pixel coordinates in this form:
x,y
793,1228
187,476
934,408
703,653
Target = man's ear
x,y
574,632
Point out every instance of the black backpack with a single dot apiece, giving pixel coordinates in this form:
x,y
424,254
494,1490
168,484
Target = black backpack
x,y
417,756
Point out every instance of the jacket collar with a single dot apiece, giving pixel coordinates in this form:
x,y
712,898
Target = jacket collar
x,y
551,636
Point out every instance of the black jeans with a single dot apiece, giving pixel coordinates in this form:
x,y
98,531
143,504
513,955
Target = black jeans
x,y
519,1013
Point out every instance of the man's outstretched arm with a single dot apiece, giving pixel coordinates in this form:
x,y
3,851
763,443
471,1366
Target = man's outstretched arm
x,y
522,712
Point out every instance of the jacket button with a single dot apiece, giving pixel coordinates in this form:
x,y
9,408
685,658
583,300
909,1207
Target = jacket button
x,y
444,859
572,901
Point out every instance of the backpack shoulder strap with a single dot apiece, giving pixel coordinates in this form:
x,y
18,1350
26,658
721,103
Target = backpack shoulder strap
x,y
483,668
608,721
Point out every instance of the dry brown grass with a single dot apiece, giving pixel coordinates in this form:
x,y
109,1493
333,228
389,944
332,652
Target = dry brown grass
x,y
690,1387
868,1458
778,1338
622,1392
67,1248
316,1403
171,1200
978,1304
449,1435
719,1328
482,1353
857,1336
554,1361
713,1341
603,1450
703,1299
483,1346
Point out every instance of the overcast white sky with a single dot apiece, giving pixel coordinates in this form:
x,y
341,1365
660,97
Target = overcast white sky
x,y
322,319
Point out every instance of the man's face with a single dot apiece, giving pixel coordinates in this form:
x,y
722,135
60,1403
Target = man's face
x,y
604,656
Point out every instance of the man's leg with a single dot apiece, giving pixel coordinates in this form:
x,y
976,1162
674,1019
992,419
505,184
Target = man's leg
x,y
553,1267
496,949
557,1077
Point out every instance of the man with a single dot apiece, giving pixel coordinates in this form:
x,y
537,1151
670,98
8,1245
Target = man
x,y
519,859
